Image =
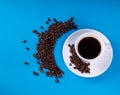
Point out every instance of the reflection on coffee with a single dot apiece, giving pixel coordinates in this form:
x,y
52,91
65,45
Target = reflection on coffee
x,y
89,47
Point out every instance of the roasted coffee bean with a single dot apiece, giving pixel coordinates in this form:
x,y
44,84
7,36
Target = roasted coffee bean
x,y
48,19
41,71
25,41
71,18
56,80
35,31
75,67
48,74
26,63
35,73
41,27
80,65
27,48
70,64
55,20
47,22
38,62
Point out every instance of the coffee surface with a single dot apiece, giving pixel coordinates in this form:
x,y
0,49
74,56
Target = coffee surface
x,y
89,47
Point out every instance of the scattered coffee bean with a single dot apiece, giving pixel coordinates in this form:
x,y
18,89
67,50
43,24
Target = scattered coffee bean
x,y
36,32
80,65
55,20
25,41
35,73
26,63
56,80
41,27
70,64
75,67
48,19
41,71
27,48
47,22
38,62
71,18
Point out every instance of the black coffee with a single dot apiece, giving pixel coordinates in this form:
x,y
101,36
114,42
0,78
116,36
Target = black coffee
x,y
89,47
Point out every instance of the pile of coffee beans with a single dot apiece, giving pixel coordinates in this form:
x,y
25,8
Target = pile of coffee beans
x,y
45,46
80,65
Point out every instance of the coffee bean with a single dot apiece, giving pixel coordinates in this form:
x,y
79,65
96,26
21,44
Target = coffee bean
x,y
41,27
25,41
27,48
75,67
55,20
70,64
38,63
47,22
26,63
71,18
56,80
36,32
47,73
41,71
35,73
48,19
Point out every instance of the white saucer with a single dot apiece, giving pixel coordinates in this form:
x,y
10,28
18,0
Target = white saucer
x,y
97,67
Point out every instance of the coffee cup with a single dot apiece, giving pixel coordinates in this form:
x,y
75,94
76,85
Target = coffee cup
x,y
89,46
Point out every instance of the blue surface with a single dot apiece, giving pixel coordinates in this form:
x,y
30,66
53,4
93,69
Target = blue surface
x,y
17,20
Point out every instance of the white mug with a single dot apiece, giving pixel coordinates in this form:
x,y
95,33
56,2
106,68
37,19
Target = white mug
x,y
92,35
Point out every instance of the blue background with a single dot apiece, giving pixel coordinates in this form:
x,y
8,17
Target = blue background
x,y
17,20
